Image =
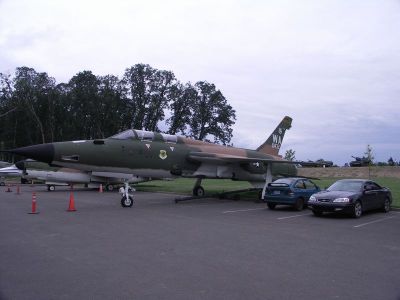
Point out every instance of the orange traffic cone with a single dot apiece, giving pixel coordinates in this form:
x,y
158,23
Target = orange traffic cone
x,y
8,188
18,191
33,212
100,188
71,206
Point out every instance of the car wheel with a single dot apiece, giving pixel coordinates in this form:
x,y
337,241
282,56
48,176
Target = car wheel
x,y
127,202
271,205
299,205
317,213
386,206
357,209
2,183
51,188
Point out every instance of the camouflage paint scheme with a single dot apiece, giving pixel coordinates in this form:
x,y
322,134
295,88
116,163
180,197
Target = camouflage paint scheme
x,y
151,154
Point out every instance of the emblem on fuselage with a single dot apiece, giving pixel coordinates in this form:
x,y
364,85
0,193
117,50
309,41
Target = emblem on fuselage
x,y
163,154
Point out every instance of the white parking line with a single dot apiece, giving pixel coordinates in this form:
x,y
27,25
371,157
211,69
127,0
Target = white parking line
x,y
241,210
376,221
295,216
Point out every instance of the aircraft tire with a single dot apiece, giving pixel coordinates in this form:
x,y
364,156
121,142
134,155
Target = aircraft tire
x,y
109,187
127,202
51,188
198,191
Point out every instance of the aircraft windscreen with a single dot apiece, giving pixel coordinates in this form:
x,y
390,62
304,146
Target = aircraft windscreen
x,y
170,138
145,135
127,134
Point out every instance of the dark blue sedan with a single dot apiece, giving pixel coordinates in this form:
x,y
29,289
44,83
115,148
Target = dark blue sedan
x,y
353,196
290,191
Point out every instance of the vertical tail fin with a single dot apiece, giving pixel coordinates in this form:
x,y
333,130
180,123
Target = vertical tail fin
x,y
273,143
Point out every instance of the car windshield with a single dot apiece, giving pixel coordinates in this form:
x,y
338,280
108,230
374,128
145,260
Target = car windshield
x,y
348,186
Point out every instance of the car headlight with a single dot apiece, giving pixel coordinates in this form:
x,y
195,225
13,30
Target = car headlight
x,y
312,199
342,200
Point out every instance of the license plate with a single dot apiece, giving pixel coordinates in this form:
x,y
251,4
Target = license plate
x,y
276,192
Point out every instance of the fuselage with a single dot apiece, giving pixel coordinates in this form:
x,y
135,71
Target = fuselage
x,y
151,154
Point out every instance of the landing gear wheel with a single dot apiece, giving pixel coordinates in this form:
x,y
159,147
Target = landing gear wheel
x,y
299,205
357,210
317,213
109,187
127,202
198,191
271,205
386,206
51,188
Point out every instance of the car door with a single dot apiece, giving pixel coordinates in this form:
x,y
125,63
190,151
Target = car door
x,y
379,195
370,197
311,188
300,189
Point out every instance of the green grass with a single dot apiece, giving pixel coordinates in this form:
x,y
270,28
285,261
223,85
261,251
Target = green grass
x,y
184,186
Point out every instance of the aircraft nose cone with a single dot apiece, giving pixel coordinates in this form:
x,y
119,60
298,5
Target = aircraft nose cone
x,y
43,152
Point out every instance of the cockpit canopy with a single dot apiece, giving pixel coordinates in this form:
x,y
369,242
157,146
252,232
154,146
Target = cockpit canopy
x,y
143,135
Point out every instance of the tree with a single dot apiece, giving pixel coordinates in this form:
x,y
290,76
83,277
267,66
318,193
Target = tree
x,y
34,109
147,92
369,155
84,107
290,155
212,116
33,95
182,97
391,162
114,113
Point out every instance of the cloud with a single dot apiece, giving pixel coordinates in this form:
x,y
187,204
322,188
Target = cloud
x,y
331,65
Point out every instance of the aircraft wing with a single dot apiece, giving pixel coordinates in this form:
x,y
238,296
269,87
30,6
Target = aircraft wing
x,y
218,158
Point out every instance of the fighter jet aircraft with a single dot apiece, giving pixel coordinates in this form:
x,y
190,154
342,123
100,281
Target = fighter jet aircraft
x,y
151,154
53,176
10,170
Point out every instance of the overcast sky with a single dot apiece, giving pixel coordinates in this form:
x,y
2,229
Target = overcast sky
x,y
333,66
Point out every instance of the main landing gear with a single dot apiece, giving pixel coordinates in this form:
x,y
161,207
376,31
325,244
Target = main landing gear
x,y
198,190
127,195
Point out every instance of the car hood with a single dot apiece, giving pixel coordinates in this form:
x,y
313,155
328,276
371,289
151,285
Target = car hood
x,y
334,194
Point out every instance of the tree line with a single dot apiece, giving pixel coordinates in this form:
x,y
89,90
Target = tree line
x,y
35,109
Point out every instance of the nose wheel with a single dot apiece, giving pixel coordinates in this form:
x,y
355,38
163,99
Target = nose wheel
x,y
127,201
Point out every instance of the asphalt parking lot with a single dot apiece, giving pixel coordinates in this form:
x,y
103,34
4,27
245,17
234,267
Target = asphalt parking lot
x,y
202,249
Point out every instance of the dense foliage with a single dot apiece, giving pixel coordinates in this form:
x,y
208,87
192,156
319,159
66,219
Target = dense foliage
x,y
35,109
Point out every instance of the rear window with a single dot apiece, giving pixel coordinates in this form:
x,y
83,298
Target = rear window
x,y
281,182
284,180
